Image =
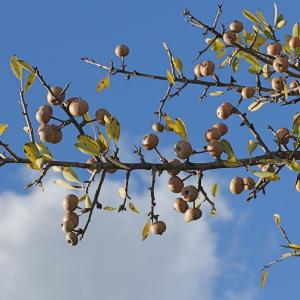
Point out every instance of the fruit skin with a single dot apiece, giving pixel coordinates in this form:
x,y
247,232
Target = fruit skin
x,y
189,193
224,110
72,238
277,84
249,183
158,227
71,216
274,49
297,185
59,96
150,141
192,214
207,68
222,128
280,64
282,136
212,134
294,42
78,107
121,50
248,92
67,226
197,70
294,84
236,26
158,127
183,149
174,172
214,149
43,114
236,185
46,133
70,202
100,114
175,184
180,205
229,37
57,134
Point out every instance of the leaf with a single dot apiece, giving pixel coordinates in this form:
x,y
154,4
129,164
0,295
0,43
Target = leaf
x,y
117,163
177,126
146,230
235,64
281,24
214,190
25,65
263,279
44,151
56,169
296,30
108,208
16,67
170,78
29,81
277,219
216,93
3,128
84,148
285,90
87,117
87,145
133,208
177,64
226,147
262,174
294,246
70,175
255,105
122,192
293,165
32,153
88,201
250,16
217,45
113,127
102,143
260,14
66,185
252,145
103,84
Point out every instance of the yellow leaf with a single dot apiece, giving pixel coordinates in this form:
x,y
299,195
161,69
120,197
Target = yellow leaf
x,y
3,128
25,65
16,67
216,93
32,153
146,230
70,175
263,279
117,163
296,30
87,145
29,81
113,127
294,246
44,152
293,165
88,201
277,219
265,174
108,208
87,117
102,143
285,90
255,105
252,145
177,64
214,190
170,77
67,185
87,149
103,84
177,126
250,16
133,208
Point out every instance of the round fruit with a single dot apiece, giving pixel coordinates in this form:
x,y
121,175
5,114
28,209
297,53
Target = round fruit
x,y
297,185
91,161
100,114
294,84
212,134
70,202
150,141
248,92
197,70
282,136
277,84
158,127
78,107
56,96
249,183
280,64
46,133
236,185
294,42
189,193
180,205
229,37
274,49
158,227
236,26
67,226
207,68
192,214
224,110
71,216
72,238
175,184
174,172
43,114
214,149
183,149
121,50
222,128
57,134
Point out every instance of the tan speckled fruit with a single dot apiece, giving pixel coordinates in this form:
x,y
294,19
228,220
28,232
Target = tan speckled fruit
x,y
248,92
158,227
197,70
222,127
121,50
46,133
189,193
57,134
72,238
67,226
183,149
224,110
294,84
274,49
294,42
277,84
100,114
236,26
207,68
267,168
229,37
175,184
236,185
70,202
180,205
249,183
158,127
282,136
297,186
214,149
280,64
212,134
43,114
78,107
56,97
150,141
174,172
71,216
192,214
91,160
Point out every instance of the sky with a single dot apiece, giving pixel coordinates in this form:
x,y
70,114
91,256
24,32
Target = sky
x,y
215,258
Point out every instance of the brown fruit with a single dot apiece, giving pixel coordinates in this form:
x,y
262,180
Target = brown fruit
x,y
214,149
192,214
222,128
67,226
229,37
236,185
57,134
248,92
281,64
175,184
249,183
174,172
91,160
277,84
224,110
78,107
297,186
197,70
43,114
180,205
282,136
294,42
183,149
207,68
189,193
100,114
267,168
212,134
294,84
236,26
72,238
274,49
70,202
158,227
121,50
46,133
57,96
158,127
71,216
150,141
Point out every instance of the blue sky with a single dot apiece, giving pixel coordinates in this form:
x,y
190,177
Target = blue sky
x,y
222,255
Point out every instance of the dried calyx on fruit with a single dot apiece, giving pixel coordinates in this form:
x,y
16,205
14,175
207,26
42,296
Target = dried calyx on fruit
x,y
150,141
183,149
56,96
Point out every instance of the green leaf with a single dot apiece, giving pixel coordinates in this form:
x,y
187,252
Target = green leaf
x,y
293,165
226,147
70,175
250,16
25,65
117,163
214,190
66,185
44,151
29,81
216,93
263,279
260,14
133,208
170,78
103,84
108,208
146,230
113,127
3,128
252,145
235,64
296,30
16,67
262,174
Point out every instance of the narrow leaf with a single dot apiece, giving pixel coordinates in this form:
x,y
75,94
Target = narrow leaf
x,y
133,208
250,16
216,93
66,185
146,230
214,190
103,84
263,279
296,30
70,174
15,67
170,78
3,128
